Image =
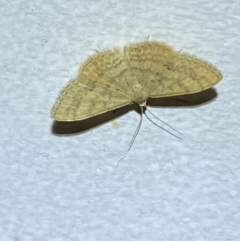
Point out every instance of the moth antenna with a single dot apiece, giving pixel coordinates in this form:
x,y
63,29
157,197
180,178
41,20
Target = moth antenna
x,y
162,128
136,131
163,122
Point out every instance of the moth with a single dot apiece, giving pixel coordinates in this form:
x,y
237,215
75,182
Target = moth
x,y
117,77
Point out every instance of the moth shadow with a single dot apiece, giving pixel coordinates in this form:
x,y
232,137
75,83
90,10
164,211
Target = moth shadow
x,y
68,128
191,100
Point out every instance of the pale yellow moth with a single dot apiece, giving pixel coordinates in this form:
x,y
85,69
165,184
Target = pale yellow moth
x,y
114,78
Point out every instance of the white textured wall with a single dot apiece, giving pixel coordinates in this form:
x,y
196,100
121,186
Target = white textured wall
x,y
73,187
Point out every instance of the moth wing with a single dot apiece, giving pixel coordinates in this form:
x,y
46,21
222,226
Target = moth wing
x,y
97,89
187,74
163,72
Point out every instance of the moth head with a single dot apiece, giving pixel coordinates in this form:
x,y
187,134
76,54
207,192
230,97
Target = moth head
x,y
141,99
